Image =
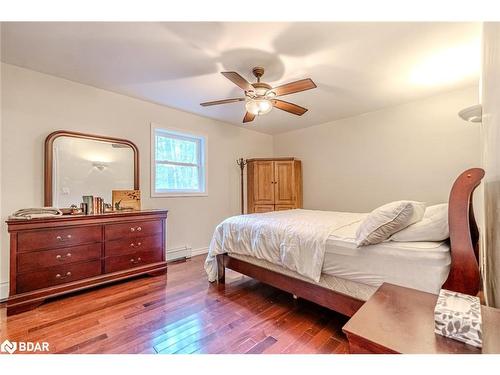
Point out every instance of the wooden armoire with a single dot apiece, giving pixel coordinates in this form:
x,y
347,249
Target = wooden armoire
x,y
273,184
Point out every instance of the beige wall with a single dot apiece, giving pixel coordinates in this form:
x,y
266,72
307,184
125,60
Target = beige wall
x,y
490,139
36,104
410,151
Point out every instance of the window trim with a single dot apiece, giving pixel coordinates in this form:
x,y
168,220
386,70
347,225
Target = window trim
x,y
204,163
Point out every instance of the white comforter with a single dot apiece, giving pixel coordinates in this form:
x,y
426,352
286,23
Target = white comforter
x,y
294,239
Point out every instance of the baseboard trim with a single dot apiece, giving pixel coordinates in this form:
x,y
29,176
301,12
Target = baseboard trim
x,y
4,291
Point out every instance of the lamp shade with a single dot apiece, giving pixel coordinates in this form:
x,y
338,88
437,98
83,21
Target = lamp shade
x,y
258,106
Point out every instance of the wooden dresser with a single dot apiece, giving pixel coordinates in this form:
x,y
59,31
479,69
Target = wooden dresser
x,y
274,184
54,256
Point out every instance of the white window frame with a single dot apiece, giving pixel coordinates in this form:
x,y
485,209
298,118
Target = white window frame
x,y
203,158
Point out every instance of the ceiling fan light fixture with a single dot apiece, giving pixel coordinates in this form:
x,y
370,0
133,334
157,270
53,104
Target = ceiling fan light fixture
x,y
260,97
270,94
258,106
261,91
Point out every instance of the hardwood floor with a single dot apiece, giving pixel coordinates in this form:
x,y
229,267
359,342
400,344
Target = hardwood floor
x,y
180,313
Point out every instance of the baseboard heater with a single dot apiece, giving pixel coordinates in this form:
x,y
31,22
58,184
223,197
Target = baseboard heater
x,y
178,253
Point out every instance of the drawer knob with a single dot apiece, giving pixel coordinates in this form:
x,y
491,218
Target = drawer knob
x,y
60,257
134,261
139,229
64,238
60,277
132,229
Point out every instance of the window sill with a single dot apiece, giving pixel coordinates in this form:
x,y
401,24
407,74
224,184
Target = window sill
x,y
178,195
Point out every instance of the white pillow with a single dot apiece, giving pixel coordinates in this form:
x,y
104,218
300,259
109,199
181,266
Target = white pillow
x,y
433,227
388,219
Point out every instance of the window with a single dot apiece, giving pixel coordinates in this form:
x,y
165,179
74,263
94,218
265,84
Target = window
x,y
178,166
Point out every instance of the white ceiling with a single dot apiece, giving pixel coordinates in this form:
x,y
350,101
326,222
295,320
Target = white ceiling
x,y
358,67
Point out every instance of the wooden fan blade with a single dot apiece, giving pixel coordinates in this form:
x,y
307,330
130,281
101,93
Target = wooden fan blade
x,y
289,107
248,117
238,80
223,101
293,87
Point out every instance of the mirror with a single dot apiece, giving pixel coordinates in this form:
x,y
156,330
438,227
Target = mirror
x,y
78,164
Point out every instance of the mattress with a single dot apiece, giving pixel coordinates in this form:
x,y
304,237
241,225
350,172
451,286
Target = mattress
x,y
418,265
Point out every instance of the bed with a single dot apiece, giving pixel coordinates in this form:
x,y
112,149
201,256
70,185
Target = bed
x,y
342,276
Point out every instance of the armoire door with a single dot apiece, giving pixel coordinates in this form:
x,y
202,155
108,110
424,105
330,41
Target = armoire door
x,y
263,182
284,183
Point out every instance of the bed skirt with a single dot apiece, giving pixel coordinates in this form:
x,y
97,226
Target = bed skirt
x,y
350,288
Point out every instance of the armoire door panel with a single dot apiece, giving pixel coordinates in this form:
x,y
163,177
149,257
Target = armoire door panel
x,y
284,187
263,183
284,207
261,208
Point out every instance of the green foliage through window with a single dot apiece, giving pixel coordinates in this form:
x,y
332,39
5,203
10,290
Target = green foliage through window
x,y
179,163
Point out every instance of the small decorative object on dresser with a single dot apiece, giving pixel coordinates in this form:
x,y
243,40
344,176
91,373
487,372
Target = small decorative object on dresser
x,y
56,255
274,184
458,316
126,200
89,201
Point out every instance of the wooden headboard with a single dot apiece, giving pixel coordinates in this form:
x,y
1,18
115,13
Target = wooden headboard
x,y
464,235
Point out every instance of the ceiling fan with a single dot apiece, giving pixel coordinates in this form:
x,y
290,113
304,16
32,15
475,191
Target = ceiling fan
x,y
260,97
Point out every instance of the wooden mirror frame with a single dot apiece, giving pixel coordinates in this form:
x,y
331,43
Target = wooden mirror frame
x,y
49,143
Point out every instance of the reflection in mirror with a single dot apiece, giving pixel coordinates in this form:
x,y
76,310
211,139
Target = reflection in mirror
x,y
89,167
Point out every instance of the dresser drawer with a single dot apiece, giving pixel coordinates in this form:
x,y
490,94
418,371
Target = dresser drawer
x,y
132,245
139,258
132,230
55,238
34,261
57,275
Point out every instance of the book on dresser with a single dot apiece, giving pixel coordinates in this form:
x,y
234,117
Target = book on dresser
x,y
53,256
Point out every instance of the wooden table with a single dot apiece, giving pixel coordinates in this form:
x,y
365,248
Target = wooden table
x,y
401,320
